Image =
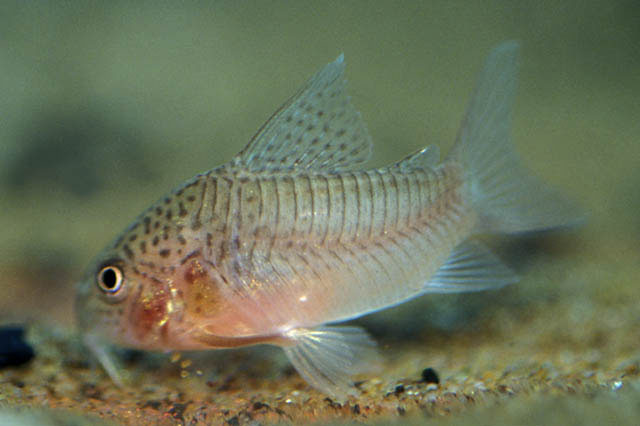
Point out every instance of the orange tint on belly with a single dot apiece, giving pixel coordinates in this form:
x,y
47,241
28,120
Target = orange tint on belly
x,y
201,290
149,311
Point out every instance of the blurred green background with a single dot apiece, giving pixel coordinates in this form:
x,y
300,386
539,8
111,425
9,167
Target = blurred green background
x,y
105,106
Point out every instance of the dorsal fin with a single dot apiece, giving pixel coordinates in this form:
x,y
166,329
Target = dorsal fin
x,y
317,129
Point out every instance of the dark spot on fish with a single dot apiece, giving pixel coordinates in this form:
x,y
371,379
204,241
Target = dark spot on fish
x,y
182,240
155,240
167,200
209,239
193,254
289,118
196,224
182,212
289,244
244,179
179,192
429,375
319,113
164,252
315,141
169,214
198,309
156,225
310,127
251,198
143,246
165,232
128,252
343,147
224,278
148,264
300,122
159,211
224,250
147,225
133,238
191,198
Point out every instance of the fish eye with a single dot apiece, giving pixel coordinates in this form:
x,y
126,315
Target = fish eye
x,y
110,279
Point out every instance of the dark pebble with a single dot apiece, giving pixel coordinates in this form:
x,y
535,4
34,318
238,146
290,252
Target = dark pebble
x,y
429,375
13,349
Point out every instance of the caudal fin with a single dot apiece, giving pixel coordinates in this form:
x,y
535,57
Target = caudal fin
x,y
507,198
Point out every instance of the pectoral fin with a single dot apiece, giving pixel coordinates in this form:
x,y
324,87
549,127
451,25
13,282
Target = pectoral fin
x,y
327,357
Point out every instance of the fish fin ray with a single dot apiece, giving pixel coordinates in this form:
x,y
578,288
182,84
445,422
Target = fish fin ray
x,y
326,357
507,198
317,129
427,157
470,267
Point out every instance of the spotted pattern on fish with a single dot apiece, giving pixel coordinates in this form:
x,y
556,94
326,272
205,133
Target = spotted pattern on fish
x,y
294,233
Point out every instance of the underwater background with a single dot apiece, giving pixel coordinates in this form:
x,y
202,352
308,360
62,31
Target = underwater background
x,y
106,106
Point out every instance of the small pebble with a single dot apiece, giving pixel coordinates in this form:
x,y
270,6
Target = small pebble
x,y
429,375
14,350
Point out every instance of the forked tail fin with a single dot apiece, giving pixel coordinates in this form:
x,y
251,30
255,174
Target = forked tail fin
x,y
507,198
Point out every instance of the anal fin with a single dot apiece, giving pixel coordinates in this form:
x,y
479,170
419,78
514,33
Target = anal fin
x,y
470,267
327,357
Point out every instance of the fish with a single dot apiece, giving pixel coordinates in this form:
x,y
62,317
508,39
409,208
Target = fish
x,y
295,235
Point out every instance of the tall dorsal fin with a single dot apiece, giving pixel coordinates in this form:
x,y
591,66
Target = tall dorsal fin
x,y
317,129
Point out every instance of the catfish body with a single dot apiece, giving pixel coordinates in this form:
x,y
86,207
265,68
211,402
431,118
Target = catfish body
x,y
294,234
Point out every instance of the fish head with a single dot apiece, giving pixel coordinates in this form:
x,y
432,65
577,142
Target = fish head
x,y
104,296
127,299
